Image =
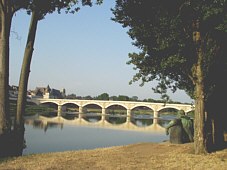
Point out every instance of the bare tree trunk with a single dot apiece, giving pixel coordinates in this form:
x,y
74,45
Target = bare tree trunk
x,y
24,75
5,25
6,140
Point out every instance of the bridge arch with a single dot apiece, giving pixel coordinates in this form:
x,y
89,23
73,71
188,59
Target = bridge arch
x,y
92,109
70,102
142,105
45,102
141,110
169,107
70,106
186,110
33,102
92,103
116,104
189,110
49,109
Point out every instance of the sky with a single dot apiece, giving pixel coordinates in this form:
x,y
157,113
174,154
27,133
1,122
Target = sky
x,y
85,53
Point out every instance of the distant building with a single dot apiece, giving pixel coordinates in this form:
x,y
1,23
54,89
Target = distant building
x,y
47,93
13,91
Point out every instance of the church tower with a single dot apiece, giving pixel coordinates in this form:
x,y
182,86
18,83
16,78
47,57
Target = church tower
x,y
47,92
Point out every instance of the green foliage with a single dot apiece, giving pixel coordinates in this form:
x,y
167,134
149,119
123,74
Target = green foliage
x,y
123,98
34,109
163,31
103,96
71,96
31,109
44,7
114,98
134,98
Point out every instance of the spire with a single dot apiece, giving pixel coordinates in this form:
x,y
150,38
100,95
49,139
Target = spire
x,y
48,89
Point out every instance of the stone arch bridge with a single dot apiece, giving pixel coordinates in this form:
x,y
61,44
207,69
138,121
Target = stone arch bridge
x,y
128,105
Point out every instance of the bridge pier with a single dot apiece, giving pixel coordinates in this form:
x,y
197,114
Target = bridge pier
x,y
80,109
155,117
128,119
59,110
103,114
80,116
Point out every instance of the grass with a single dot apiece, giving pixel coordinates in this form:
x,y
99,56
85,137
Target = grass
x,y
145,156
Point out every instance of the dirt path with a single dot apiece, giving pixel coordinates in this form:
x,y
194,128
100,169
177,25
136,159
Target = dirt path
x,y
137,156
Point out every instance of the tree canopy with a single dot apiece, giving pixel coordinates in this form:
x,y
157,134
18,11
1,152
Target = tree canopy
x,y
182,45
163,30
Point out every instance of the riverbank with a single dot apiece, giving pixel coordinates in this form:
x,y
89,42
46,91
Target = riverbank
x,y
130,157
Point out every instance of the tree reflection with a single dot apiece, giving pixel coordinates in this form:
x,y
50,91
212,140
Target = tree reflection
x,y
142,122
43,124
91,118
163,122
116,119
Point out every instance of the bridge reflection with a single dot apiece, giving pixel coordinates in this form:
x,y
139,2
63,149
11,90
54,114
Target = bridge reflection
x,y
121,122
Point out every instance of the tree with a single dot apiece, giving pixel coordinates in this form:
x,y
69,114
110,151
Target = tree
x,y
87,98
181,41
103,96
71,96
114,98
7,9
123,98
39,9
134,98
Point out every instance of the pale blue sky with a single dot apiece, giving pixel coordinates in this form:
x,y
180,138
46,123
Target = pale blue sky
x,y
85,53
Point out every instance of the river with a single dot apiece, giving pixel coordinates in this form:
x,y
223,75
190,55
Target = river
x,y
54,134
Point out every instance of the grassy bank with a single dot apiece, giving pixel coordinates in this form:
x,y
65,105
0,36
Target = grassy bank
x,y
144,156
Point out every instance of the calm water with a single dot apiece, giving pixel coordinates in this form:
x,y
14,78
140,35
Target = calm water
x,y
55,137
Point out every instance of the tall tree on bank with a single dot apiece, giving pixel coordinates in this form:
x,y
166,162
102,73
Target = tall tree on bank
x,y
39,9
7,9
181,42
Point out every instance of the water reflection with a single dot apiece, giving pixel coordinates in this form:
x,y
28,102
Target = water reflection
x,y
49,114
49,136
115,120
74,131
39,124
142,120
92,117
137,122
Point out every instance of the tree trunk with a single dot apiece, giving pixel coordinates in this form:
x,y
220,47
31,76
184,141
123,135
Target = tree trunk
x,y
218,112
201,121
24,75
5,25
7,138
